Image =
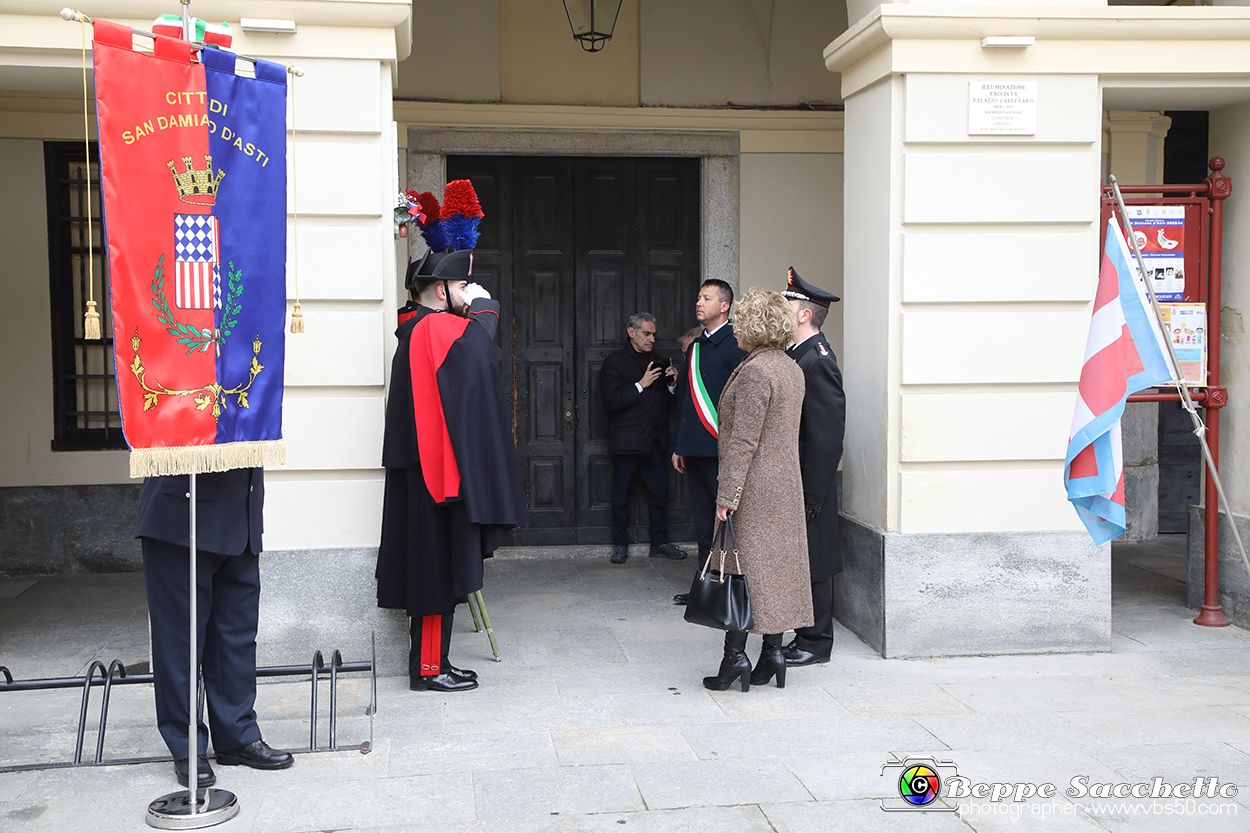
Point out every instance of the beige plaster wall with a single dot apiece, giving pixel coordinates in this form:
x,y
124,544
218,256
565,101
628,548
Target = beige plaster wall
x,y
1230,134
697,53
743,52
791,215
26,456
540,63
461,67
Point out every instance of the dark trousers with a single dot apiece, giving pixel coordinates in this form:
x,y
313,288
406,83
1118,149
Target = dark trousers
x,y
819,637
652,469
427,657
228,604
701,492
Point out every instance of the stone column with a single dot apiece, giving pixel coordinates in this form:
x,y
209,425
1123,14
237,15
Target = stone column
x,y
970,267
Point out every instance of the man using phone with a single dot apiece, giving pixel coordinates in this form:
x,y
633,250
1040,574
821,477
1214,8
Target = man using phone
x,y
637,401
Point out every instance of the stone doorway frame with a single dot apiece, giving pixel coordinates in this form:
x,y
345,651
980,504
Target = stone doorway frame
x,y
428,149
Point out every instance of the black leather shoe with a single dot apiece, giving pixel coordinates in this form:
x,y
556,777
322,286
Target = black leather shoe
x,y
257,755
796,656
620,554
462,673
681,598
445,681
667,551
204,773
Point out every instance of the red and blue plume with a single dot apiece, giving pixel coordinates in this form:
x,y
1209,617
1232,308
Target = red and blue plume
x,y
461,214
432,227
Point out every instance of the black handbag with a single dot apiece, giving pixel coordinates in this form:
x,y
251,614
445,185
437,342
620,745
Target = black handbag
x,y
719,600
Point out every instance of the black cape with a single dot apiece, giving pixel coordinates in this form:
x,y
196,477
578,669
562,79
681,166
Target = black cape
x,y
431,553
820,447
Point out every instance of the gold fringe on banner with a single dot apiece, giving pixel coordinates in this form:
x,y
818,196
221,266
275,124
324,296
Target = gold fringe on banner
x,y
151,462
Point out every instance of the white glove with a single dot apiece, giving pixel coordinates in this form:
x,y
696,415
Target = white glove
x,y
472,292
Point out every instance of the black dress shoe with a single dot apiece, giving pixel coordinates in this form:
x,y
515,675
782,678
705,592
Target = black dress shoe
x,y
462,673
667,551
204,773
681,598
796,656
257,755
620,554
445,681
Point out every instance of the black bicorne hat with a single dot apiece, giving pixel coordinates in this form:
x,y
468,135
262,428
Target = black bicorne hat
x,y
801,290
440,266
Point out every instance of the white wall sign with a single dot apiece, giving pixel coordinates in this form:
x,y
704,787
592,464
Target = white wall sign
x,y
1002,107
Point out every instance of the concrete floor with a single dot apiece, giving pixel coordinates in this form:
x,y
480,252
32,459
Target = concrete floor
x,y
596,720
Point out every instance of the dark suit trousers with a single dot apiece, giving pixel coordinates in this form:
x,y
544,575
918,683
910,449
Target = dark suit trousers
x,y
701,485
819,637
228,601
652,469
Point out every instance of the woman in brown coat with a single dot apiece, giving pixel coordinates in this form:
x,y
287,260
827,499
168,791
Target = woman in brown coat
x,y
760,485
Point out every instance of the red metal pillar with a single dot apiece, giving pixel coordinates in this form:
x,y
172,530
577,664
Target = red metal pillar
x,y
1212,614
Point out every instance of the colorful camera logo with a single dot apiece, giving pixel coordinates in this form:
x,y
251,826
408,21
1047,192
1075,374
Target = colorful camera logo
x,y
917,784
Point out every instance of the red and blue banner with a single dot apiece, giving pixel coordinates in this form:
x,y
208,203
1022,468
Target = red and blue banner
x,y
193,168
1124,353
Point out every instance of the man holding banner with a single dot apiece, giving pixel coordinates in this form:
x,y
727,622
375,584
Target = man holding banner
x,y
193,165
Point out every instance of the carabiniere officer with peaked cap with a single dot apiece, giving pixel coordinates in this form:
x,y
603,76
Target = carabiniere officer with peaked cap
x,y
820,448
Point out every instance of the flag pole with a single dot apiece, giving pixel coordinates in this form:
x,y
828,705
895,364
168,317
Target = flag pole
x,y
1200,430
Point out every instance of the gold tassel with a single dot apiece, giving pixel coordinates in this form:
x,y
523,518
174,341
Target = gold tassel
x,y
91,323
297,319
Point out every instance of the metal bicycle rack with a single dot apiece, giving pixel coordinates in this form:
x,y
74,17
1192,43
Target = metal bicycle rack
x,y
116,674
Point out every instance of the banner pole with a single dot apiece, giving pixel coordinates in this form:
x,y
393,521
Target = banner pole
x,y
1200,430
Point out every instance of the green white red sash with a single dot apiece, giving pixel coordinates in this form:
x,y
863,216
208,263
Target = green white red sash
x,y
703,404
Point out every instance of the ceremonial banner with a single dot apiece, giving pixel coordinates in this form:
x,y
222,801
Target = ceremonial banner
x,y
193,168
1124,353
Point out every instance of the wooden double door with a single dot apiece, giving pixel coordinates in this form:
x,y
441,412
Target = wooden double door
x,y
572,247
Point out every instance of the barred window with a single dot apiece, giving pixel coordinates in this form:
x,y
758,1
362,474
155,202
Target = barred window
x,y
84,381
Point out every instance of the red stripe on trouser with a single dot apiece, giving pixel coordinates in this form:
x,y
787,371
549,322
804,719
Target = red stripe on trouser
x,y
431,644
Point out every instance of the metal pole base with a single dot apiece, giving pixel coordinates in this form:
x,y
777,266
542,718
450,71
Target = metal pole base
x,y
1212,616
173,811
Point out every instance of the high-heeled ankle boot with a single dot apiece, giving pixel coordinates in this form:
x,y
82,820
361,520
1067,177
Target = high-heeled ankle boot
x,y
771,662
733,665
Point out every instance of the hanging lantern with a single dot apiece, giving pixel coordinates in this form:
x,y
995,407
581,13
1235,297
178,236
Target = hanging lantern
x,y
592,21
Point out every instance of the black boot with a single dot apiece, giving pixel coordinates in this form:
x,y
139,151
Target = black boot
x,y
772,661
446,677
734,664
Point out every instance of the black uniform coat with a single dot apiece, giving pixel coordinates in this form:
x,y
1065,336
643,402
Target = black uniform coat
x,y
431,552
221,499
820,448
719,354
635,420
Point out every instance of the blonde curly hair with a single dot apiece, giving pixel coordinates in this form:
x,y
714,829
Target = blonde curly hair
x,y
763,318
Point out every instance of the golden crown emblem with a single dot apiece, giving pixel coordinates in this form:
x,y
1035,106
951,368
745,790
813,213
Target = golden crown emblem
x,y
196,186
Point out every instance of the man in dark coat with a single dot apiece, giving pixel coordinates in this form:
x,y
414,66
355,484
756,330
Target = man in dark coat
x,y
228,524
709,360
820,448
637,403
453,486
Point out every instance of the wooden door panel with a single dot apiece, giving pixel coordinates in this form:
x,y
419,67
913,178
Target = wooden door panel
x,y
543,259
571,248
